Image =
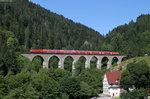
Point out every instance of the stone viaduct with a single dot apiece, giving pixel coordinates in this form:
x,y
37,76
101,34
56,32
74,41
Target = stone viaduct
x,y
46,57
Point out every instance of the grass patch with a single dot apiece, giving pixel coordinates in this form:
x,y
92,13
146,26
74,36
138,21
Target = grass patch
x,y
135,59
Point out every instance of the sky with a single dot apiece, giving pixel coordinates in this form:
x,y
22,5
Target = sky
x,y
100,15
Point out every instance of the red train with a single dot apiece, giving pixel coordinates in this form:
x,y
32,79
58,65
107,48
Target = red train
x,y
71,52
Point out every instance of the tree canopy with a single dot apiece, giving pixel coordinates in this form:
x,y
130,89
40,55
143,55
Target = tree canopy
x,y
136,77
131,39
25,25
36,27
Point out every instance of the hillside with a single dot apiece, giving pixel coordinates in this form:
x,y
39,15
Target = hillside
x,y
124,64
37,27
131,39
25,25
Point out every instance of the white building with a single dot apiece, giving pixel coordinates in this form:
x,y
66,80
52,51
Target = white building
x,y
111,84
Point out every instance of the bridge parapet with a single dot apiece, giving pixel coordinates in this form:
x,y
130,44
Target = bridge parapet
x,y
75,57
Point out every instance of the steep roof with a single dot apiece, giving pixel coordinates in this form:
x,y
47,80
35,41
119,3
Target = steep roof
x,y
113,77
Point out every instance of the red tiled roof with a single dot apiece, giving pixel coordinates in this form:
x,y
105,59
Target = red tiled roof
x,y
113,77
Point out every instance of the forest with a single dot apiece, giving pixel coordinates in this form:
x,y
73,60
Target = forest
x,y
131,39
36,27
25,25
23,79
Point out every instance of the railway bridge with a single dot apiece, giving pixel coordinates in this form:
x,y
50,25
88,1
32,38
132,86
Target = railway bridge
x,y
88,57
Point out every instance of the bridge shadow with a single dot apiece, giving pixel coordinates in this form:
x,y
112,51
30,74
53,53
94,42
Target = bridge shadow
x,y
53,62
124,59
115,61
80,65
37,63
104,63
93,62
68,63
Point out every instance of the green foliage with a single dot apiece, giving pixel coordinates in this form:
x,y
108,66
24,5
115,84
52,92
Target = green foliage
x,y
92,77
8,58
36,27
80,66
56,74
131,39
50,83
114,61
136,75
27,37
64,96
127,80
135,94
53,62
71,86
33,85
104,62
24,25
144,42
4,89
12,43
68,64
85,90
93,63
45,86
18,80
18,86
36,64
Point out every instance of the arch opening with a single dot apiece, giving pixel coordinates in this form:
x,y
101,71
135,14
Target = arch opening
x,y
80,65
37,62
104,62
53,62
68,63
93,62
124,59
115,61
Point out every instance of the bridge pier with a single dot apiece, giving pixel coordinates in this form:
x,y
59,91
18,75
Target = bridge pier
x,y
87,63
61,63
119,59
109,64
99,63
73,66
110,59
45,62
62,57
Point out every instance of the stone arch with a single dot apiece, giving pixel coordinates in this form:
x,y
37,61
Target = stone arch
x,y
114,61
53,62
82,57
39,61
69,56
123,59
80,64
104,62
37,56
93,62
68,62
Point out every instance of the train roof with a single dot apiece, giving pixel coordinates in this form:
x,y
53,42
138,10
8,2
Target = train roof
x,y
71,50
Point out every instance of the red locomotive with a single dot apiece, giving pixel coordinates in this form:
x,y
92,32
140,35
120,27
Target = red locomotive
x,y
72,52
